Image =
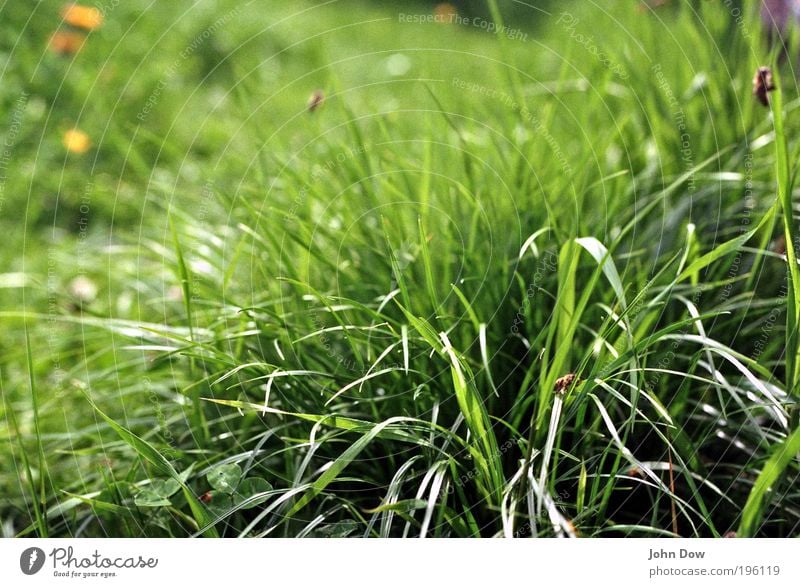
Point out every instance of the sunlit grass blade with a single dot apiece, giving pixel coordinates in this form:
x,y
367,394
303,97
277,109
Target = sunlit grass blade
x,y
783,455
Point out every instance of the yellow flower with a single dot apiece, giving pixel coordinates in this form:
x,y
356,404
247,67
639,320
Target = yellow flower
x,y
84,17
76,141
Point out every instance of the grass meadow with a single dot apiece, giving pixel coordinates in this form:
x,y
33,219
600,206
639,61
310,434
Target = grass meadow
x,y
373,269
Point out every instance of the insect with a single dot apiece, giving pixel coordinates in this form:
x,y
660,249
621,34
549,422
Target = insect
x,y
206,497
762,84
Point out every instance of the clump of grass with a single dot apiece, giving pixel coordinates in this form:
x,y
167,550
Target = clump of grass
x,y
494,296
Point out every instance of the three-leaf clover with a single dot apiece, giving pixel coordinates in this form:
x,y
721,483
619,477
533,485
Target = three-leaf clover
x,y
157,493
230,490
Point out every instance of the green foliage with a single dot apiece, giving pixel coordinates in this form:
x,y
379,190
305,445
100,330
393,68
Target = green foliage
x,y
491,286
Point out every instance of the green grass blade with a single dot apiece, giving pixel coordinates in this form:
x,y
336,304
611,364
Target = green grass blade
x,y
347,457
42,497
783,455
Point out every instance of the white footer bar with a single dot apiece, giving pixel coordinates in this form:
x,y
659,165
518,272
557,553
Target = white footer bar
x,y
400,563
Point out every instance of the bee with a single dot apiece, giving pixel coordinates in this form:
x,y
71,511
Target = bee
x,y
762,84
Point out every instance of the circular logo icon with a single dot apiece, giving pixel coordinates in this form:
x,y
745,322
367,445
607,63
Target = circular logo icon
x,y
31,560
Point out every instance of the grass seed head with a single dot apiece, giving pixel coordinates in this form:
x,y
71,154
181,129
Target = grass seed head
x,y
445,12
762,84
779,244
651,5
316,100
635,471
564,383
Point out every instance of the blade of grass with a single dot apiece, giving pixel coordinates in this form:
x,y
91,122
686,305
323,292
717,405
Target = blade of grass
x,y
782,457
784,181
42,498
341,462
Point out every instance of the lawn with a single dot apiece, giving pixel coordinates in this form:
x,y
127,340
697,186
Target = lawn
x,y
378,269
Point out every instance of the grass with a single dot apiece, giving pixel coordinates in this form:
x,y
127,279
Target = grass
x,y
358,321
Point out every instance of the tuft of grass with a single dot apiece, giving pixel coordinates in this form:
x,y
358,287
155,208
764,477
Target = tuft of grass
x,y
357,321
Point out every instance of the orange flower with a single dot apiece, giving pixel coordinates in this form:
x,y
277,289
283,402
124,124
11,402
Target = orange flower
x,y
76,141
66,43
83,17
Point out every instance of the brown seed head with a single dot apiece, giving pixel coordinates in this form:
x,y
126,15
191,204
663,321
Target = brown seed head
x,y
445,13
635,471
316,100
651,5
563,383
762,85
779,244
